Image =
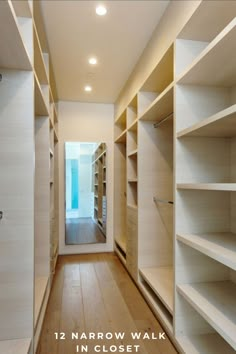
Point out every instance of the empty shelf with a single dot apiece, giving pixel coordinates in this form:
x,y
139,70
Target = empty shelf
x,y
219,246
15,346
209,67
210,343
13,52
216,302
161,280
132,180
121,138
161,107
222,124
40,105
133,126
133,153
208,186
121,243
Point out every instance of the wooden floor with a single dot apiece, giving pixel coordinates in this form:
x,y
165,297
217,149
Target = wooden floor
x,y
94,293
83,230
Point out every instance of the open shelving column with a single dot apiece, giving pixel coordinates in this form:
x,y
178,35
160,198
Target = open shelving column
x,y
155,195
120,183
99,187
17,177
205,299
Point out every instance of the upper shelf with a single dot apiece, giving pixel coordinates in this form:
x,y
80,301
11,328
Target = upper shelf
x,y
227,187
216,302
161,107
220,246
39,61
162,75
208,20
209,67
221,124
13,54
121,138
40,104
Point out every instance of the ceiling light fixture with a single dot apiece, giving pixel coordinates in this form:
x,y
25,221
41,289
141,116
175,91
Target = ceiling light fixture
x,y
88,88
92,61
101,10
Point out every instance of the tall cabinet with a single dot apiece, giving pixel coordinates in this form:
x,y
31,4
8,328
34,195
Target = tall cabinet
x,y
25,189
175,184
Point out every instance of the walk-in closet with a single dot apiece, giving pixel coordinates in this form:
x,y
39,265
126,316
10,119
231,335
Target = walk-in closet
x,y
118,122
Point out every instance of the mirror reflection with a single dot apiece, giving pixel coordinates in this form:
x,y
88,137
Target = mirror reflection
x,y
85,192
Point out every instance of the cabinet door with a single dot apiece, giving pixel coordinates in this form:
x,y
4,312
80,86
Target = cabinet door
x,y
132,242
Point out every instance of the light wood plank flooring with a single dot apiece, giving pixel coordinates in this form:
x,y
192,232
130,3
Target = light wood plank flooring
x,y
94,293
83,230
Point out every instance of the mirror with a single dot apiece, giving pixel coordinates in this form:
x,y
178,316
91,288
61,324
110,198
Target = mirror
x,y
85,193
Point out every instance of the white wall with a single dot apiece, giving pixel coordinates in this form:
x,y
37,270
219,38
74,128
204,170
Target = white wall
x,y
86,122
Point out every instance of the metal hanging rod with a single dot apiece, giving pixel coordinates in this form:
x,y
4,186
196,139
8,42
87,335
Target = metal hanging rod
x,y
163,120
157,200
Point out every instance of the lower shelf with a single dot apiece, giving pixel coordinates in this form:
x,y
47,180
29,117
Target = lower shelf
x,y
216,302
157,306
16,346
122,244
161,280
39,290
210,343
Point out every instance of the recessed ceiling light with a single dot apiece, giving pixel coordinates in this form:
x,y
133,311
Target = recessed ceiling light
x,y
101,10
92,61
88,88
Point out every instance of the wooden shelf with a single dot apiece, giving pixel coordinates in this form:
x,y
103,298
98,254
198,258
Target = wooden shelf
x,y
134,126
40,104
219,14
132,180
208,186
121,120
161,280
216,302
222,124
55,136
15,346
210,68
132,206
161,107
220,246
158,308
39,64
13,51
133,153
210,343
122,243
121,138
39,291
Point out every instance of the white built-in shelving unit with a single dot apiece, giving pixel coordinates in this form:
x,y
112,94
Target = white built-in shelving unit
x,y
177,236
25,158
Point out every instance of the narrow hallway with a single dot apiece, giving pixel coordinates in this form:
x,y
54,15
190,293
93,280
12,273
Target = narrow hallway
x,y
94,293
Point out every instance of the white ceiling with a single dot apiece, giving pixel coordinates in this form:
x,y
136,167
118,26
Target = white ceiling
x,y
75,32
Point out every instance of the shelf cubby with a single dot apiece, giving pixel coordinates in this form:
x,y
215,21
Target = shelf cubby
x,y
40,65
220,246
221,125
120,124
216,302
209,67
121,138
132,112
14,54
157,82
161,280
